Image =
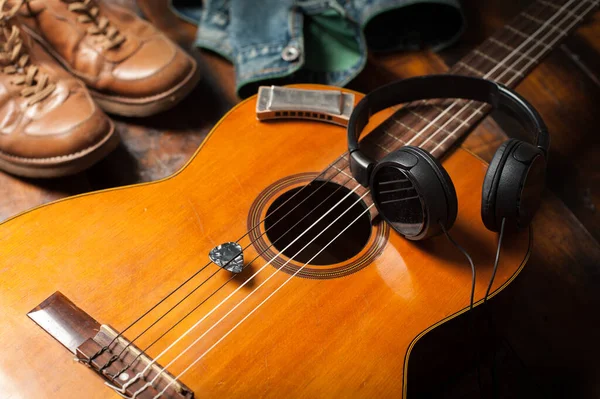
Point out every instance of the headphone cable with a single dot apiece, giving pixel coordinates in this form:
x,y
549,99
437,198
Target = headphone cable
x,y
496,262
473,279
461,249
488,311
487,292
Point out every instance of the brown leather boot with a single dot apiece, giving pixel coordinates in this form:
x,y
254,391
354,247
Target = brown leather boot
x,y
130,67
49,124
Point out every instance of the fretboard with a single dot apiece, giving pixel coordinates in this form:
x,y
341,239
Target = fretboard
x,y
506,57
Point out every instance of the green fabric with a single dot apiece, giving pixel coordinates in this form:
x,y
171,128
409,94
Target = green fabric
x,y
330,43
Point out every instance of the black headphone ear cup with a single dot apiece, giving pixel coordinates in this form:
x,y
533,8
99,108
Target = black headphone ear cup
x,y
414,193
512,186
451,200
490,185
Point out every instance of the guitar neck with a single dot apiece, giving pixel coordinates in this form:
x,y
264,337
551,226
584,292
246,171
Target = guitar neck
x,y
506,57
509,55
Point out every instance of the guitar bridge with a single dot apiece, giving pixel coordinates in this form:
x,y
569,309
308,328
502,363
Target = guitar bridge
x,y
85,337
134,361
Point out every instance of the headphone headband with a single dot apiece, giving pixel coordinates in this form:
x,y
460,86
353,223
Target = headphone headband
x,y
433,87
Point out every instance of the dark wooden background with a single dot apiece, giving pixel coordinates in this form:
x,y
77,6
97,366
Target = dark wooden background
x,y
543,340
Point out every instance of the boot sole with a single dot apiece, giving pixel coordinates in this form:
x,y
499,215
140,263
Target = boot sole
x,y
125,106
59,166
147,106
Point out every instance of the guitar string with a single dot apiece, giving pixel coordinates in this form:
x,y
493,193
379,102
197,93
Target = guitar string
x,y
116,357
151,383
107,346
110,361
472,72
510,55
492,71
484,47
335,174
163,391
472,55
197,287
258,224
468,104
126,367
516,72
593,5
246,282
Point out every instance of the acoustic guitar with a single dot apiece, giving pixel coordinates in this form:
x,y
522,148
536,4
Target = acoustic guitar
x,y
261,269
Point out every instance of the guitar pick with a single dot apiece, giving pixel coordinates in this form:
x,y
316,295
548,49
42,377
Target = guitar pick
x,y
229,256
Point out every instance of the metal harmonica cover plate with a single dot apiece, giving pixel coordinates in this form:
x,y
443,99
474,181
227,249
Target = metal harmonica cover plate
x,y
332,106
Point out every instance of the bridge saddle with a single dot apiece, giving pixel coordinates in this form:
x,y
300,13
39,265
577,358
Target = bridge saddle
x,y
119,364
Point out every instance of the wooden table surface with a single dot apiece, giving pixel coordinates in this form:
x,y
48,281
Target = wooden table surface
x,y
547,323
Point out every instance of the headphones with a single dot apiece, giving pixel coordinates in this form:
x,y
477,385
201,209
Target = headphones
x,y
411,189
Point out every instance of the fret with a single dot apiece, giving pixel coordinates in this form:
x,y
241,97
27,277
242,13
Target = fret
x,y
449,120
383,148
487,57
559,8
339,160
438,108
506,57
528,36
396,138
458,101
518,32
498,62
411,126
439,127
466,109
540,22
532,18
455,117
426,132
341,171
471,69
477,111
567,28
451,138
550,4
404,125
512,49
513,60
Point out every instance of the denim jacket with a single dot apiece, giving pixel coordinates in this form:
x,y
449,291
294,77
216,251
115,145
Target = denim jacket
x,y
318,41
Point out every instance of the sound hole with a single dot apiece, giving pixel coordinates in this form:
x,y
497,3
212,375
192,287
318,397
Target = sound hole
x,y
291,232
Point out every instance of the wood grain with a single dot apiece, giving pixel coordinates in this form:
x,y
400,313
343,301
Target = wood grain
x,y
548,312
319,338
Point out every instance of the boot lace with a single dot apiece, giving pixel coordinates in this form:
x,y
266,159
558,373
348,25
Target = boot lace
x,y
14,60
109,36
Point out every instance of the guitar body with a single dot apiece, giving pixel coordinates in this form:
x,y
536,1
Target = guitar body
x,y
116,253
